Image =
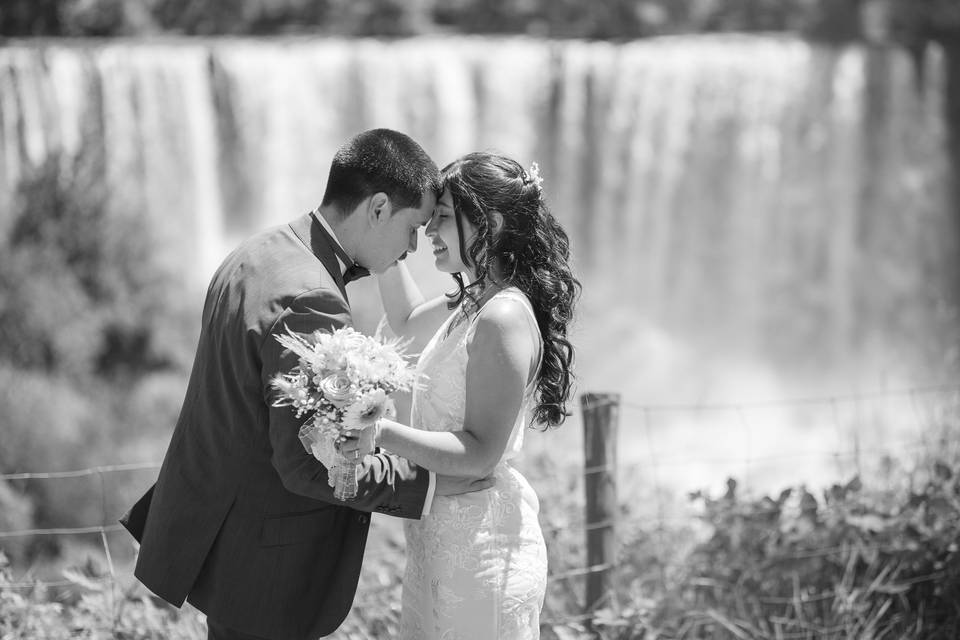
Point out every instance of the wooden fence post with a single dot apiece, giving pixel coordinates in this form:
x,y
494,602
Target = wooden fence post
x,y
601,415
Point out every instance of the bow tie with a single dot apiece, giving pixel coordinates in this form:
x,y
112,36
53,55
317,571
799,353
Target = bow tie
x,y
354,272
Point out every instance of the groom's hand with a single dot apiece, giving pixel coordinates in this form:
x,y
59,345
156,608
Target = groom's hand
x,y
456,485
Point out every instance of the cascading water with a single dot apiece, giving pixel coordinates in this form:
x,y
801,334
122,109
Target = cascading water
x,y
730,200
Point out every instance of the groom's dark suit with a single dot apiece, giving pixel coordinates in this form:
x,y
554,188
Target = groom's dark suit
x,y
241,521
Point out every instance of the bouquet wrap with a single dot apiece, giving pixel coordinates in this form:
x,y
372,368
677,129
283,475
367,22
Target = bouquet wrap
x,y
345,486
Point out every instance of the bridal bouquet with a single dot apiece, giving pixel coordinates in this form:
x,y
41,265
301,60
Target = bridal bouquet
x,y
343,379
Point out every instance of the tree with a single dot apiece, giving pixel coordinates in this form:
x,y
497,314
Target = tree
x,y
916,23
31,18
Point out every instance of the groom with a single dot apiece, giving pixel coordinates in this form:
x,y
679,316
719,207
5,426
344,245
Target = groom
x,y
242,522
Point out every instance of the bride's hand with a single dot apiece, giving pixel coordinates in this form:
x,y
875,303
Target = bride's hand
x,y
358,443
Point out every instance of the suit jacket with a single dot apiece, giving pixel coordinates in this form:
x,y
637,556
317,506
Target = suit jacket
x,y
242,522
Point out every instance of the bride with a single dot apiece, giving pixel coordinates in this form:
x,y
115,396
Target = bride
x,y
496,355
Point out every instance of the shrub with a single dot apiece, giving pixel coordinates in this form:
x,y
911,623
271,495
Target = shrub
x,y
93,349
16,514
81,292
852,563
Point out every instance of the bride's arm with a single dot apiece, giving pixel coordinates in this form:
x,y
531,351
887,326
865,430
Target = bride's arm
x,y
409,314
500,356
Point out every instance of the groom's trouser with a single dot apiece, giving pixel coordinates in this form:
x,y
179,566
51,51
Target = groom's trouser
x,y
219,632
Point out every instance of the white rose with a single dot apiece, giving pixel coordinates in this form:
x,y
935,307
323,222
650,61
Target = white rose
x,y
337,389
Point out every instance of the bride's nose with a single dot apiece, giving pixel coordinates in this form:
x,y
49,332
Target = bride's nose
x,y
431,229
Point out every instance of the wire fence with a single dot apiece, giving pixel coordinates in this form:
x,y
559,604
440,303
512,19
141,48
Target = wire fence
x,y
656,462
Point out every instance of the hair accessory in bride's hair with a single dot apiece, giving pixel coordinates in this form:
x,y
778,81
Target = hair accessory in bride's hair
x,y
533,175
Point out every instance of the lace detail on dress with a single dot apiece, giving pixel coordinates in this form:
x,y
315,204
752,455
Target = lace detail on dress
x,y
477,565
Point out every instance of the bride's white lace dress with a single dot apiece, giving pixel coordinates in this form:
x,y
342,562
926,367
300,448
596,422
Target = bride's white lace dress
x,y
477,564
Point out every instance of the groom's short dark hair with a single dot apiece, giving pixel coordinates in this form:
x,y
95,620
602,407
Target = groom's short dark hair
x,y
380,160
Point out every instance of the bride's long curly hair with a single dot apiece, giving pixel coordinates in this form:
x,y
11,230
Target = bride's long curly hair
x,y
531,251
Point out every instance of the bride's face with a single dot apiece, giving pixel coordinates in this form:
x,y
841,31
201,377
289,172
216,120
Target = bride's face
x,y
442,232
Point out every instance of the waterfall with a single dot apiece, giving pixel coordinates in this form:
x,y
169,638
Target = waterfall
x,y
749,195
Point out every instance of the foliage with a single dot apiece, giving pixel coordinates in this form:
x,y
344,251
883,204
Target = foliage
x,y
93,608
81,295
210,17
92,353
31,18
623,19
925,19
69,426
853,563
16,514
833,20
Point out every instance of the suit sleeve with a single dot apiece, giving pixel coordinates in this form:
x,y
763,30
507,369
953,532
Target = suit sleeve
x,y
386,483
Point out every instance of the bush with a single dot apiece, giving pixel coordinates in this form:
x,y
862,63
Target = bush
x,y
93,347
81,293
16,514
853,563
36,433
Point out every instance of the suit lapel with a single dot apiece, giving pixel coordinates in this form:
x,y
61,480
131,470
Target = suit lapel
x,y
314,236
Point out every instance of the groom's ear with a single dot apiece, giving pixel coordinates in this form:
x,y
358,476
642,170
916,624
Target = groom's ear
x,y
379,208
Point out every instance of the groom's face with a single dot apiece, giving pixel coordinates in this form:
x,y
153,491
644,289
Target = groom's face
x,y
394,231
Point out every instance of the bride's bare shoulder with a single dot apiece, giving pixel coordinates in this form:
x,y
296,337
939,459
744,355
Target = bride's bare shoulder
x,y
503,317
